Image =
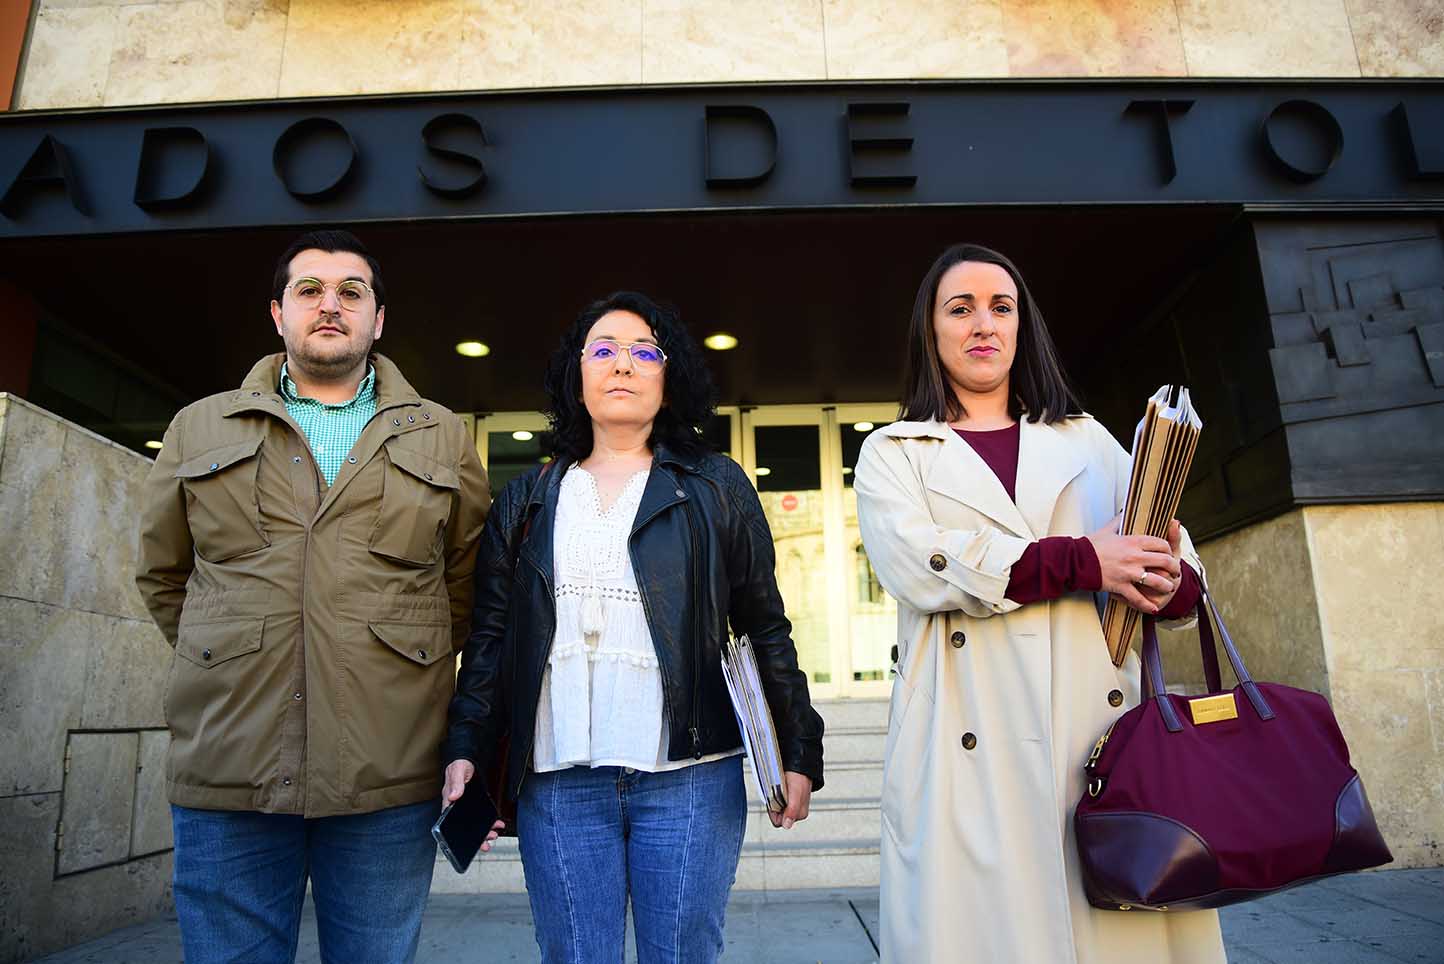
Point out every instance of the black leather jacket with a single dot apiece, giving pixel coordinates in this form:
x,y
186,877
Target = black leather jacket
x,y
694,510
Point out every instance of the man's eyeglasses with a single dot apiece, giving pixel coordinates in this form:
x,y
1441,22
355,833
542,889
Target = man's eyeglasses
x,y
310,292
646,357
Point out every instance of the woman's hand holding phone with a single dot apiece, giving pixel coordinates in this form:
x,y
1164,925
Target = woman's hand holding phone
x,y
458,775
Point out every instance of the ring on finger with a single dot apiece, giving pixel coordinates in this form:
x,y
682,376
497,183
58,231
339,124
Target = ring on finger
x,y
1142,578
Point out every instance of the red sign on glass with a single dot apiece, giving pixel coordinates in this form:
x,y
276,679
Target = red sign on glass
x,y
789,502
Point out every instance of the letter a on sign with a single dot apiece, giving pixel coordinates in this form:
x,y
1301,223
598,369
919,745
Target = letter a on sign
x,y
48,169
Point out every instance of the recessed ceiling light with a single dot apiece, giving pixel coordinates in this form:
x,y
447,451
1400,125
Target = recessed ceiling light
x,y
473,349
720,341
862,426
153,444
763,470
544,459
846,470
523,436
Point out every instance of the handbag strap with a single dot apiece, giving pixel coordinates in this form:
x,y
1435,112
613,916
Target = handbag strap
x,y
1154,686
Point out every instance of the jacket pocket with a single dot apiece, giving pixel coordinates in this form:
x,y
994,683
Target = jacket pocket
x,y
220,735
222,504
416,502
400,683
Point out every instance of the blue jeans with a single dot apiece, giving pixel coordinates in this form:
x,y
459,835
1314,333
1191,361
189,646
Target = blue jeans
x,y
240,880
589,838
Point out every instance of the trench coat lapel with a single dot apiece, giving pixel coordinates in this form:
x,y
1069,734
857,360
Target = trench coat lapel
x,y
960,474
1047,462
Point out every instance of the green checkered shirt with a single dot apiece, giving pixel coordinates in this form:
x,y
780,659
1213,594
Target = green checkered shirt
x,y
331,430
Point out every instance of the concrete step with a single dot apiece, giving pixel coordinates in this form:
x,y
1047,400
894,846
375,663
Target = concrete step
x,y
852,713
819,864
853,745
854,821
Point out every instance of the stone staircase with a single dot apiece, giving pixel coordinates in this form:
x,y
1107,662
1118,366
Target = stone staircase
x,y
836,846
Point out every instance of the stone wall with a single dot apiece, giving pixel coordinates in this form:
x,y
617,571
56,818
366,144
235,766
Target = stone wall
x,y
84,826
93,53
1345,600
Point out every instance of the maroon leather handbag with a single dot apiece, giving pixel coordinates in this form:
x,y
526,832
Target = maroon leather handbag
x,y
1196,802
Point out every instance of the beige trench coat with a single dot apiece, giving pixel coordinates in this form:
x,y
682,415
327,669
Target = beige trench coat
x,y
996,706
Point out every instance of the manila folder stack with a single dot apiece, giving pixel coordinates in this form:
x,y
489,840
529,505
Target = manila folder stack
x,y
754,719
1163,447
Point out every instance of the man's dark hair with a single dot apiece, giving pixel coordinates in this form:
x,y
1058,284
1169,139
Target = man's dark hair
x,y
331,242
1038,386
688,396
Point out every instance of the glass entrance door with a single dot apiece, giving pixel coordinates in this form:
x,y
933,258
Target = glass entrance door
x,y
801,458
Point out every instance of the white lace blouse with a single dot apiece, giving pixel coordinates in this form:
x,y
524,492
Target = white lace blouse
x,y
601,693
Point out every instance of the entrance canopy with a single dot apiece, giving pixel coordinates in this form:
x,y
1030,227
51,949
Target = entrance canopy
x,y
819,302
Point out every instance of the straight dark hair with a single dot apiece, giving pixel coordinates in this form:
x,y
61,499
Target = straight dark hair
x,y
1039,388
688,396
331,242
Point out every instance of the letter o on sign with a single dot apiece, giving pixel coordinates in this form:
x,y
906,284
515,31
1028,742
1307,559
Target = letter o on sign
x,y
1303,139
314,158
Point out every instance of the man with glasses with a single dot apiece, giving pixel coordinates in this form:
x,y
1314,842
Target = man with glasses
x,y
307,546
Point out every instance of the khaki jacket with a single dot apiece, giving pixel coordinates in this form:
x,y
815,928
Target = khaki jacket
x,y
978,857
313,627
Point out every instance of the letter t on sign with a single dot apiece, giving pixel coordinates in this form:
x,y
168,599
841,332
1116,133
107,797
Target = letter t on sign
x,y
1162,109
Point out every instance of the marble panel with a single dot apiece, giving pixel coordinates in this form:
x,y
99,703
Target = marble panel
x,y
197,50
27,839
125,675
1093,38
568,43
67,60
150,828
338,47
43,653
99,800
70,4
85,906
99,485
1398,38
720,41
938,38
33,448
1261,579
1385,716
1381,602
1283,38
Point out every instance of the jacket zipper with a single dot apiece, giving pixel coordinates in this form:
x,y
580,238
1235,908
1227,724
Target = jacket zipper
x,y
697,646
1098,748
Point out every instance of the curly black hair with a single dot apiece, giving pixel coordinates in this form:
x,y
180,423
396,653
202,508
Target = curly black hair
x,y
689,397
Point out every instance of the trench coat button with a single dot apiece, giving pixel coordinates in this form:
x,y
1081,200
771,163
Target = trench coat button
x,y
421,654
958,640
411,418
396,421
893,654
1115,697
215,465
205,654
938,561
969,741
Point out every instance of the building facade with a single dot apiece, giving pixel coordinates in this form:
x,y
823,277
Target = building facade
x,y
1240,196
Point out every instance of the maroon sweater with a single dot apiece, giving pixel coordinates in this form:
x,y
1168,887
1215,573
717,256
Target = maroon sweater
x,y
1057,565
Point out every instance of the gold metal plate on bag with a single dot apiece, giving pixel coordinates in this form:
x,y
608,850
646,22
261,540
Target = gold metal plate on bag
x,y
1212,709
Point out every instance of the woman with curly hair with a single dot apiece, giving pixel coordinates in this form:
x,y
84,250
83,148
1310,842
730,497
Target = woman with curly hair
x,y
605,584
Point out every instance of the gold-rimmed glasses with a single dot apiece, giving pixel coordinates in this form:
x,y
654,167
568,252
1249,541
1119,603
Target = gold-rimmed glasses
x,y
351,294
646,357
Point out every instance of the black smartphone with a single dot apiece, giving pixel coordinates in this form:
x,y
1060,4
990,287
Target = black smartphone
x,y
463,826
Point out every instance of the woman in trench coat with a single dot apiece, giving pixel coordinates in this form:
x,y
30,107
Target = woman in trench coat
x,y
1004,682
